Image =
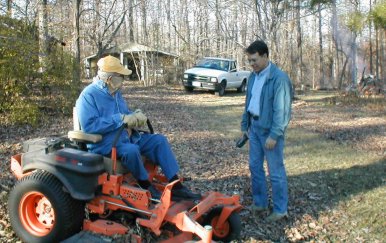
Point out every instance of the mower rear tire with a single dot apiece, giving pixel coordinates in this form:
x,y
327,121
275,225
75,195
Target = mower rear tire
x,y
41,211
229,231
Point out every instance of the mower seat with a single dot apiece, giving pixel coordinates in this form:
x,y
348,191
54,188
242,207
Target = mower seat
x,y
79,136
83,138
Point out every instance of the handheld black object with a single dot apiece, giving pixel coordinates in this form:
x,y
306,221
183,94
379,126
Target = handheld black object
x,y
241,142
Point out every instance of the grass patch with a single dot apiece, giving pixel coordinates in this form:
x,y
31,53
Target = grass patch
x,y
376,103
338,190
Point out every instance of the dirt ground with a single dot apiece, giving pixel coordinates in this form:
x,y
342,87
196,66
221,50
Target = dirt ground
x,y
202,129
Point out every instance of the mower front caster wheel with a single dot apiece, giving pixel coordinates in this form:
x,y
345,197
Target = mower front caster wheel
x,y
227,232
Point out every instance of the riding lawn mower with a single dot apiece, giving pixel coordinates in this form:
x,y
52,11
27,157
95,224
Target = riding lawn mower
x,y
66,194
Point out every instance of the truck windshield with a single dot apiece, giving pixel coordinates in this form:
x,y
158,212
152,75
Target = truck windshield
x,y
213,64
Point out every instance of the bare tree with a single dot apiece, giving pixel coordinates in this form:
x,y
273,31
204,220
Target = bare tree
x,y
322,78
76,16
9,8
259,9
107,21
218,26
299,60
131,21
377,56
371,41
43,34
144,21
334,22
355,24
192,29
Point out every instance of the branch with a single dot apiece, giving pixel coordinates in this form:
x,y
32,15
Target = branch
x,y
179,35
114,32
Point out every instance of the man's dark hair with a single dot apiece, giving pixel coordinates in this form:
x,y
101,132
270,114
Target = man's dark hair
x,y
257,46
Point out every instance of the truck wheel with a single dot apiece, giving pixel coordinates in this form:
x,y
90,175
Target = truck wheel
x,y
241,89
221,90
40,211
188,89
229,231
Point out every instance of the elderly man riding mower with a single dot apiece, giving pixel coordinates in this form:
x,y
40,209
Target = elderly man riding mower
x,y
97,180
102,110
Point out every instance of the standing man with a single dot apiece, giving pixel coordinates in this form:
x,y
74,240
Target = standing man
x,y
266,116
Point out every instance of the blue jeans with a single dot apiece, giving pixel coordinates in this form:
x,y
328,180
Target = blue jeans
x,y
156,148
277,174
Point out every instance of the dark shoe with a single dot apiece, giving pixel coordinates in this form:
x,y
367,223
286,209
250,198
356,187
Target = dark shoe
x,y
256,210
273,217
155,194
184,193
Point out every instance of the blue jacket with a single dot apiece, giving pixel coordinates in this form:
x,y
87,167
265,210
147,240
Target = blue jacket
x,y
275,103
100,113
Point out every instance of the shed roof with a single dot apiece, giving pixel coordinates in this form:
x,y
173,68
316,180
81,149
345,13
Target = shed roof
x,y
136,47
132,47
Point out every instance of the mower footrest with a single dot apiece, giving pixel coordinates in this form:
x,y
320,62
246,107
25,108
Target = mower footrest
x,y
87,237
104,227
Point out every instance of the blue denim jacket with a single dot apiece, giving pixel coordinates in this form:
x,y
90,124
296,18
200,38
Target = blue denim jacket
x,y
100,113
275,103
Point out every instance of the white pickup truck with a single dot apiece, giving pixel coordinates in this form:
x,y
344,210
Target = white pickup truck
x,y
216,74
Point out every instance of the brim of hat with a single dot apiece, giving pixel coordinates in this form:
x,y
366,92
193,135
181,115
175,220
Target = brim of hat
x,y
120,70
124,71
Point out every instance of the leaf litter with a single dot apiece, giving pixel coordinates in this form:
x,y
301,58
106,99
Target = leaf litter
x,y
209,158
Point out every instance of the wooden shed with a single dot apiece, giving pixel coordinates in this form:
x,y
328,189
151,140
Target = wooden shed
x,y
148,64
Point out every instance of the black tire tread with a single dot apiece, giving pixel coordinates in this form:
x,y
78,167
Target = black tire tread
x,y
69,212
241,89
221,91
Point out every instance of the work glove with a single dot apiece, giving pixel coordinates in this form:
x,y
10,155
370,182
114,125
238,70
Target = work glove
x,y
141,118
270,143
130,120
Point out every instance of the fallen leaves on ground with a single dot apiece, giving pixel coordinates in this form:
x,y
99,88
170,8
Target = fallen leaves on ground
x,y
212,162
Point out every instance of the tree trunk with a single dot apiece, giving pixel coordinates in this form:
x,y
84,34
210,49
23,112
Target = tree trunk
x,y
131,21
187,27
377,51
97,37
342,73
144,23
218,34
43,35
168,17
299,45
335,39
321,78
291,63
354,59
383,43
9,8
260,20
371,42
76,16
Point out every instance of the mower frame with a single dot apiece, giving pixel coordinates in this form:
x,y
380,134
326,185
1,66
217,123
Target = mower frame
x,y
120,192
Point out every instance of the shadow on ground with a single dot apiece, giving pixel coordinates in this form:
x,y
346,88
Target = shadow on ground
x,y
310,195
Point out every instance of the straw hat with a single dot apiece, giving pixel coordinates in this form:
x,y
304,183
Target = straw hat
x,y
112,64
